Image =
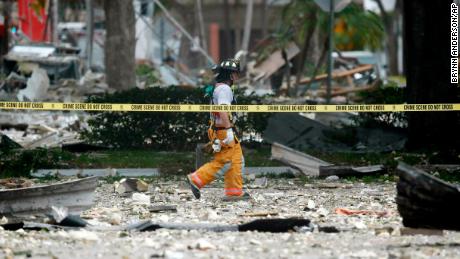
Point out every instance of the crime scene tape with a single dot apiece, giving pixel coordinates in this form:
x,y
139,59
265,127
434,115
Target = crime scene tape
x,y
126,107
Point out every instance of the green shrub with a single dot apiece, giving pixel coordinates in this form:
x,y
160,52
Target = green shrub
x,y
390,94
161,130
21,162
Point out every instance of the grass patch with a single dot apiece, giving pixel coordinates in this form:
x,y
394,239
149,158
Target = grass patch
x,y
170,162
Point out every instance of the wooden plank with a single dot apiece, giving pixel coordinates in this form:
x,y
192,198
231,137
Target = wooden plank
x,y
339,74
307,164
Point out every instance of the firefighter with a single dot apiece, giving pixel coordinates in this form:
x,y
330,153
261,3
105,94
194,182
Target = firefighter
x,y
228,157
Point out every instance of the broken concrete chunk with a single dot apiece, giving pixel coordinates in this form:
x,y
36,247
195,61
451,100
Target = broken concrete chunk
x,y
307,164
3,220
332,178
59,213
76,195
311,205
130,185
140,198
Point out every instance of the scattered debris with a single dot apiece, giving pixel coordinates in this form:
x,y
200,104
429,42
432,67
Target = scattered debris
x,y
14,183
328,229
341,74
140,198
13,82
331,178
76,195
260,214
329,186
261,225
334,170
203,244
425,201
61,216
274,62
308,165
163,208
54,60
310,205
130,185
348,212
126,172
421,231
259,183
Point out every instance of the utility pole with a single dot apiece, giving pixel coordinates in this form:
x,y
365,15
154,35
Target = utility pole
x,y
89,33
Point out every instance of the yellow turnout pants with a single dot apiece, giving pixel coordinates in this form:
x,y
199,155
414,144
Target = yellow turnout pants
x,y
229,162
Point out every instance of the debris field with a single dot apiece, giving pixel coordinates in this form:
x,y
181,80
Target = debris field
x,y
348,220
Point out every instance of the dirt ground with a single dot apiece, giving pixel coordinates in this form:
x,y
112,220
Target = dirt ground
x,y
359,236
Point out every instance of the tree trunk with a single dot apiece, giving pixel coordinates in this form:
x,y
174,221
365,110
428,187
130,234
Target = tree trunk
x,y
120,44
6,12
321,60
390,23
307,42
427,61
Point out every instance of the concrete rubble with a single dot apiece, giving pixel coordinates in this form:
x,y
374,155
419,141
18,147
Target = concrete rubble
x,y
331,235
47,130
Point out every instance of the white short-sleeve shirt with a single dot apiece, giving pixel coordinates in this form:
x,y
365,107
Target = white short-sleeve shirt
x,y
223,94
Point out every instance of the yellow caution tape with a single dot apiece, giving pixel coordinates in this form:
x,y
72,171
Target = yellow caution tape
x,y
126,107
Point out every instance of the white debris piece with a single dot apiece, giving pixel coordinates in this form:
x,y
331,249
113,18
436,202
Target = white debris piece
x,y
332,178
83,235
311,204
140,198
203,244
37,86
